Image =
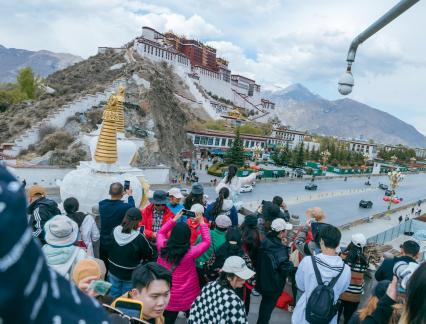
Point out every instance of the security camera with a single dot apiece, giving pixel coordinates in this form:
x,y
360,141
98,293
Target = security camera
x,y
346,82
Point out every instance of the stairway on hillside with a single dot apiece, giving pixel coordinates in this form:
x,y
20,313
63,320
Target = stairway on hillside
x,y
59,117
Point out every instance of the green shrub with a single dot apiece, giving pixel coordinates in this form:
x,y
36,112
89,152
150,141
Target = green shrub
x,y
59,140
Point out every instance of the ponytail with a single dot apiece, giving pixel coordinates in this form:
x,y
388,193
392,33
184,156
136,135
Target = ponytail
x,y
217,205
232,171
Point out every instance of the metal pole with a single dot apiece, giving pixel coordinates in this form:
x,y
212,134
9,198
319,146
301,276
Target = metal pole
x,y
393,13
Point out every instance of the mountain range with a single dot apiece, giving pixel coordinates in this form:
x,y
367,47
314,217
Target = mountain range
x,y
299,108
42,62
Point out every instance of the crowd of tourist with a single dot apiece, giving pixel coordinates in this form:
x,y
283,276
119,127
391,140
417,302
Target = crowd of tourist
x,y
184,257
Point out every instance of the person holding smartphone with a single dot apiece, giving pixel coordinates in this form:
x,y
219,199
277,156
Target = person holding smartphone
x,y
128,249
177,255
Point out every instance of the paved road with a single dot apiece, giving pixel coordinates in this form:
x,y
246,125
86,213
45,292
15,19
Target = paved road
x,y
339,209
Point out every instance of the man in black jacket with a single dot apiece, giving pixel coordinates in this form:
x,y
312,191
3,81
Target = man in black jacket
x,y
41,209
272,268
409,253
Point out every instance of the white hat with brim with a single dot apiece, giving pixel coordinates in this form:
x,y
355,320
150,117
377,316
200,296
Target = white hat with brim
x,y
60,231
175,192
237,266
280,224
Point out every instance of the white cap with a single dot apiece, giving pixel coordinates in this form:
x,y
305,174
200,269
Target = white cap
x,y
223,221
175,192
237,266
197,208
279,224
359,240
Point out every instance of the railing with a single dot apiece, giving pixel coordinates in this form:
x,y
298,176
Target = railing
x,y
391,233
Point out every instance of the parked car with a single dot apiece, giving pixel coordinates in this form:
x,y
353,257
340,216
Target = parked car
x,y
365,204
389,192
311,186
383,186
246,188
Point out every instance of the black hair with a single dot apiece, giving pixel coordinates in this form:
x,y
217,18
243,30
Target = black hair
x,y
177,245
355,256
411,248
232,172
415,307
250,238
228,249
277,200
193,199
129,225
116,189
71,205
331,236
217,205
145,274
223,279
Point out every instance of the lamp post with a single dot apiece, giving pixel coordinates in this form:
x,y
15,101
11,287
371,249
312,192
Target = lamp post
x,y
395,177
346,82
325,155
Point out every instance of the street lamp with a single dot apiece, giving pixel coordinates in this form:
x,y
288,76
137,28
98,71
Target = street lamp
x,y
346,81
395,177
325,155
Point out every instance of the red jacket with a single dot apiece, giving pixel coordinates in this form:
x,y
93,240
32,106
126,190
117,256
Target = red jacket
x,y
147,219
195,228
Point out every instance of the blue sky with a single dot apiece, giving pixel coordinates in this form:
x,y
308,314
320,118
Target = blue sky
x,y
276,42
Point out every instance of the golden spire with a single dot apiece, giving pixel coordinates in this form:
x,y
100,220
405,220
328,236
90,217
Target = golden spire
x,y
106,148
120,122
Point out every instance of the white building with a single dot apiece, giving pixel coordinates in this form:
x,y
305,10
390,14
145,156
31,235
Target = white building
x,y
362,147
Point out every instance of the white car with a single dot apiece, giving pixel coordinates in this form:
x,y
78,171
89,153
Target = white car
x,y
246,188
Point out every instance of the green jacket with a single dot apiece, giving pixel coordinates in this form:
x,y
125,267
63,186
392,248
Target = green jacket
x,y
217,239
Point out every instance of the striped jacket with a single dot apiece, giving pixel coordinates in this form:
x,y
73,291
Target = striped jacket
x,y
40,212
356,286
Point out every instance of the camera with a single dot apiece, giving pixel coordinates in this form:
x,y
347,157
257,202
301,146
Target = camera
x,y
346,83
403,271
188,213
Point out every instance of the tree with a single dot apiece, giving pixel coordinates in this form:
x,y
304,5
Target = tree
x,y
300,156
26,82
236,153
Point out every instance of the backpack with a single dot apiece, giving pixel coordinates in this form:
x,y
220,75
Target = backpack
x,y
321,308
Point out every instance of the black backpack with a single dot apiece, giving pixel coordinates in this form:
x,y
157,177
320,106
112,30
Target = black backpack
x,y
320,308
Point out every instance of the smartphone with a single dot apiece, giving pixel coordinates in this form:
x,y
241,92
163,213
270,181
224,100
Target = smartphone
x,y
142,229
129,307
188,213
126,185
100,286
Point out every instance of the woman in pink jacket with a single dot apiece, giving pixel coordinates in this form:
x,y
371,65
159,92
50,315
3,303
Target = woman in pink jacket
x,y
177,255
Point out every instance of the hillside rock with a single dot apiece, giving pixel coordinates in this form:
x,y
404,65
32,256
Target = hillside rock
x,y
301,109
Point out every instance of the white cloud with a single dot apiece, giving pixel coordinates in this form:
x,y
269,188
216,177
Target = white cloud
x,y
277,42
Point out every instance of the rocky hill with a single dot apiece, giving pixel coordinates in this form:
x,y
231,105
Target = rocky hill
x,y
301,109
42,62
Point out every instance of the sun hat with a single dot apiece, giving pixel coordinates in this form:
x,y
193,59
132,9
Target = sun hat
x,y
159,198
359,240
197,189
86,268
60,231
175,192
223,221
36,190
280,224
236,265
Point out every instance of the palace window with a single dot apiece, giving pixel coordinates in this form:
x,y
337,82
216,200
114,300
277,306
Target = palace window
x,y
217,141
223,141
197,140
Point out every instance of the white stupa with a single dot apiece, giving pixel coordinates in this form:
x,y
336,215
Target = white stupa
x,y
112,155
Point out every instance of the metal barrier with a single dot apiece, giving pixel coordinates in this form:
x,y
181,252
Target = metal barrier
x,y
391,233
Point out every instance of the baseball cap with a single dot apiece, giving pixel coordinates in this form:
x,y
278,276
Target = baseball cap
x,y
280,224
237,266
197,208
175,192
359,240
223,221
